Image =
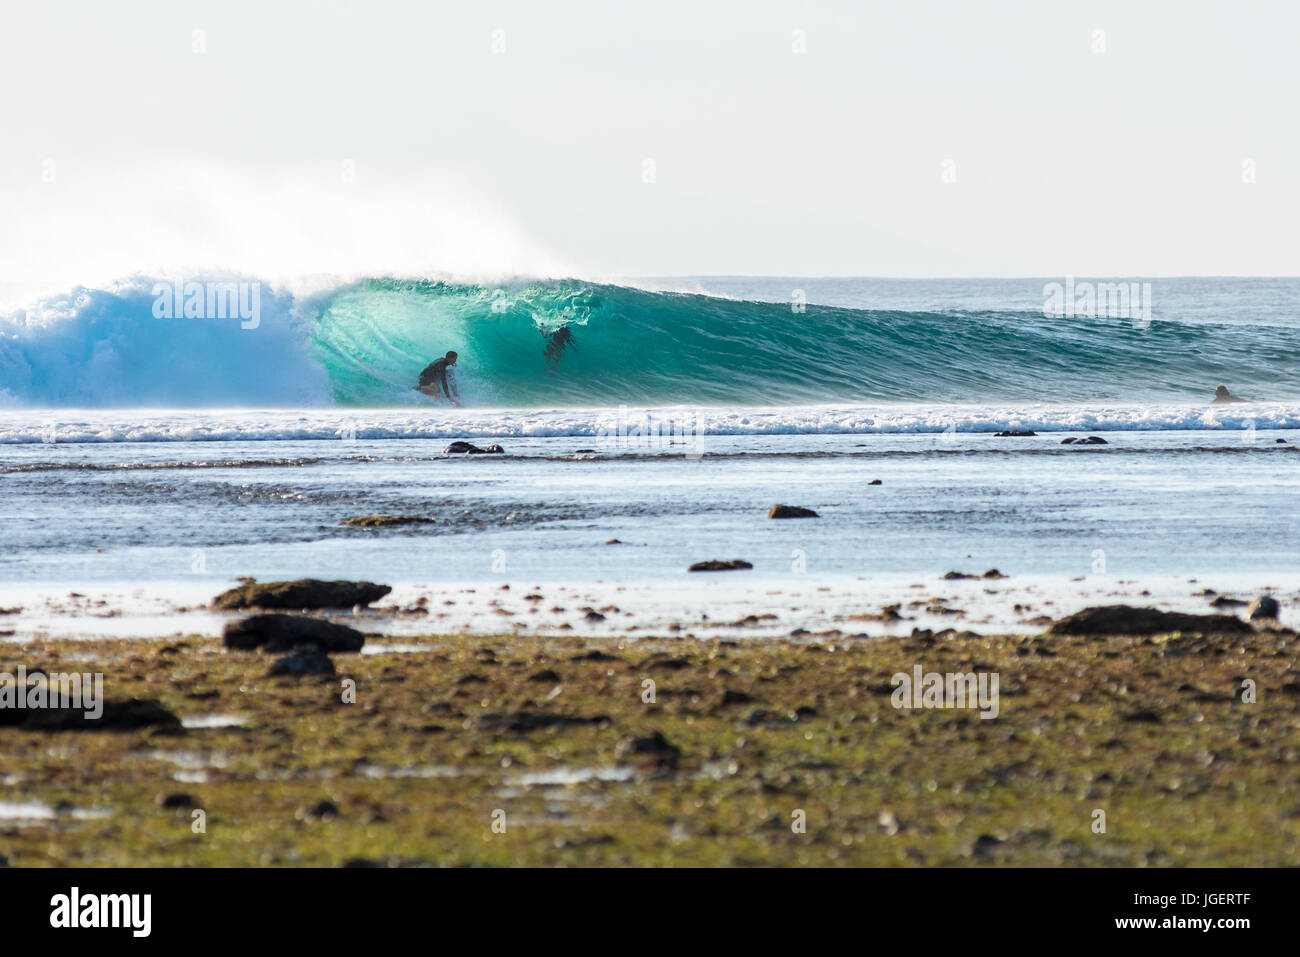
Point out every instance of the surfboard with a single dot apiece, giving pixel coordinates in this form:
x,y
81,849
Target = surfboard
x,y
433,393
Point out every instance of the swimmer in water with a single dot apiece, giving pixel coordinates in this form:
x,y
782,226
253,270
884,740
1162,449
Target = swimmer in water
x,y
1223,397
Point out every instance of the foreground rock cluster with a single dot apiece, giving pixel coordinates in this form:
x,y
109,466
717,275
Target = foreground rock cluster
x,y
309,640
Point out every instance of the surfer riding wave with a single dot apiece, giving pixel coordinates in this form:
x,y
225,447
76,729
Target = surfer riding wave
x,y
435,381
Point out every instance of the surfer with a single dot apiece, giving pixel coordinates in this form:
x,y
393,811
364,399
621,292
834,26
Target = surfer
x,y
1223,397
434,378
556,343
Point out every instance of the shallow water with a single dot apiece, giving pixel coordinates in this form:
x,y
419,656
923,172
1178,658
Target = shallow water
x,y
1174,502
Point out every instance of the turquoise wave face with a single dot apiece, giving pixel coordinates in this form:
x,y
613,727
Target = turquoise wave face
x,y
632,346
364,344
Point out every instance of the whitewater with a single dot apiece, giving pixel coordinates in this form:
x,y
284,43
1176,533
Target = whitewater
x,y
646,429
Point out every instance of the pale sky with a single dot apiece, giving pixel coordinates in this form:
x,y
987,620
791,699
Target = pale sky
x,y
335,136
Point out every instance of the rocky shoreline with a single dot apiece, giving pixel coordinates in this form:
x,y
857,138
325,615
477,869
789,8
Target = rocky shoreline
x,y
553,750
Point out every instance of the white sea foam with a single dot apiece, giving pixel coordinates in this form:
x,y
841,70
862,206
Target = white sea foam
x,y
53,426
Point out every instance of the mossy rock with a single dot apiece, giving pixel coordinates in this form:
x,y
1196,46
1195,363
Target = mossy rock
x,y
303,593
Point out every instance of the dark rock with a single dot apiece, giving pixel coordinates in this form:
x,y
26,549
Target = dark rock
x,y
735,697
875,482
1014,433
986,846
595,655
1224,601
613,541
1090,440
304,593
716,565
549,676
322,810
128,715
525,721
375,521
1146,716
307,660
1263,608
573,843
957,576
279,633
654,746
993,573
749,620
791,511
469,448
177,799
584,451
1127,620
670,664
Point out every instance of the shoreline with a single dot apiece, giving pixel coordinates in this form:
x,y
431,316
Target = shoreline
x,y
735,605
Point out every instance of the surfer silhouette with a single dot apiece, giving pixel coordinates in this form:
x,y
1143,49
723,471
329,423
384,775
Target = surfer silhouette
x,y
434,381
1223,397
556,343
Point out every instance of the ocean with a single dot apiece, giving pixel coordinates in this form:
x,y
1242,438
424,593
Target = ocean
x,y
143,455
727,342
